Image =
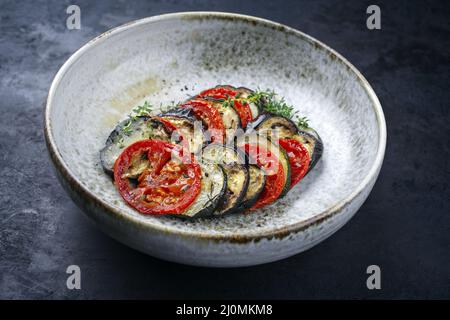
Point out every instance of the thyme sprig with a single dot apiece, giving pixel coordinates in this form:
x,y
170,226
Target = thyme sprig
x,y
126,129
302,122
140,111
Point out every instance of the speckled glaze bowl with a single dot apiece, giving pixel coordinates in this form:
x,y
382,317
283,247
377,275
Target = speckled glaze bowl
x,y
165,58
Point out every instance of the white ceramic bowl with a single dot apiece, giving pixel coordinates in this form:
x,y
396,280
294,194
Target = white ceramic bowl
x,y
164,59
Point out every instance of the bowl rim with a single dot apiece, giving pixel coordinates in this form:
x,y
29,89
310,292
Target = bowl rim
x,y
280,232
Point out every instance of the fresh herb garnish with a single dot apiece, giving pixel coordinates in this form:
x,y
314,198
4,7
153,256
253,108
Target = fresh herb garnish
x,y
126,129
141,111
269,102
171,105
302,122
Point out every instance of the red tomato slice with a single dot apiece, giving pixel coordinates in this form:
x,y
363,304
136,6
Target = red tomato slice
x,y
157,177
245,114
275,176
211,116
298,158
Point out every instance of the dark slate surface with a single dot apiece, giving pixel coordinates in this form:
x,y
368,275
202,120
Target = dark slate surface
x,y
404,227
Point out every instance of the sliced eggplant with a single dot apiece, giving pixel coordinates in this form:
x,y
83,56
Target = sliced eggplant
x,y
257,181
128,132
278,127
237,184
279,152
271,124
221,154
213,187
188,126
312,142
234,165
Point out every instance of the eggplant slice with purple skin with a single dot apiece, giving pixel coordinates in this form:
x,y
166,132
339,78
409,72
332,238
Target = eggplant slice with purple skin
x,y
312,142
126,133
283,128
256,183
234,163
188,126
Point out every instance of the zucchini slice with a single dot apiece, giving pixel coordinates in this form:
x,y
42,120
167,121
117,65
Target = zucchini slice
x,y
234,165
126,133
279,152
188,126
214,184
282,128
257,181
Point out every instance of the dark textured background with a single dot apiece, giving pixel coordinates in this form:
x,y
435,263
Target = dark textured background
x,y
404,226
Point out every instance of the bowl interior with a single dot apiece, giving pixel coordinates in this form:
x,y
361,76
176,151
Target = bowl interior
x,y
164,60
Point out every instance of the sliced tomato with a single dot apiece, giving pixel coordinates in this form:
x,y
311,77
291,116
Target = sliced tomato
x,y
275,176
210,116
157,177
245,114
243,109
298,158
